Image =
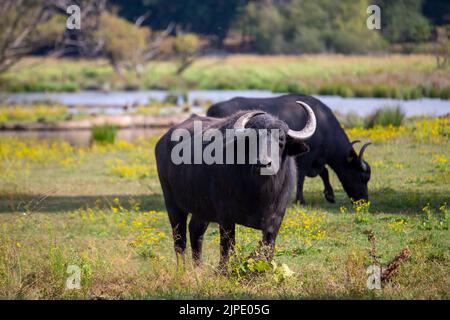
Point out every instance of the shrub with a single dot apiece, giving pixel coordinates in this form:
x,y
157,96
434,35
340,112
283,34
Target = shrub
x,y
445,93
124,42
363,91
412,93
381,91
105,134
185,48
390,116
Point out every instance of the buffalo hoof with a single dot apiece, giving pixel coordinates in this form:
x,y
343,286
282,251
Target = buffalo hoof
x,y
222,270
197,263
329,195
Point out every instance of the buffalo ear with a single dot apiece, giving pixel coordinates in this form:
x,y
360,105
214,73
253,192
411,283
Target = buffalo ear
x,y
295,147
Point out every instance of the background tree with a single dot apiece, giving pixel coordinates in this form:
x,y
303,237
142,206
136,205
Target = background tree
x,y
442,47
308,26
206,17
267,26
28,25
18,32
185,48
264,23
403,21
348,32
126,46
319,25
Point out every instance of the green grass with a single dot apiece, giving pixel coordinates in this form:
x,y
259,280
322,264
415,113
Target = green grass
x,y
61,205
389,116
396,76
105,134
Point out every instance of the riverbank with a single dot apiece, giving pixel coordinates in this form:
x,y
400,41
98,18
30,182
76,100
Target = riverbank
x,y
152,109
119,121
390,76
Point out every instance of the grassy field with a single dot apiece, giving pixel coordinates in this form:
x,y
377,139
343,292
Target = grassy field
x,y
397,76
101,208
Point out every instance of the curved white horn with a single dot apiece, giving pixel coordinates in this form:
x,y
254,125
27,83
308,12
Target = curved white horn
x,y
310,126
242,121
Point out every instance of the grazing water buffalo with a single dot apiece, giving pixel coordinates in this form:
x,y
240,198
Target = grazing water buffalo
x,y
232,193
329,145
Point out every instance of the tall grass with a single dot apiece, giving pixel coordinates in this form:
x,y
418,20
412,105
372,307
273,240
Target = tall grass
x,y
395,76
350,119
384,117
388,116
105,134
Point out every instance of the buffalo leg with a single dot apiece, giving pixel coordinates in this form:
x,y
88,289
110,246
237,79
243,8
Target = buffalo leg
x,y
197,229
301,180
227,241
328,191
268,244
178,222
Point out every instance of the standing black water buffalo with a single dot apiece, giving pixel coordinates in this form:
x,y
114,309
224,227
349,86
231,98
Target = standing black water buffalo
x,y
329,145
231,193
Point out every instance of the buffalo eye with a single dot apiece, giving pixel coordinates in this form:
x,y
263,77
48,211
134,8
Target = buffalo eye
x,y
282,141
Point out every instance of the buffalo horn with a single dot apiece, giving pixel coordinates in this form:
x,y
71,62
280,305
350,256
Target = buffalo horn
x,y
310,126
242,121
355,142
361,155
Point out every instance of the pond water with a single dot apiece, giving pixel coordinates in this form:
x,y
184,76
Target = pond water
x,y
113,102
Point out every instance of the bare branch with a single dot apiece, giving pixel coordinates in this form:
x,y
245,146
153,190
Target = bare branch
x,y
154,46
139,21
20,19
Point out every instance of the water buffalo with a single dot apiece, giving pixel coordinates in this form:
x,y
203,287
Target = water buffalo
x,y
329,145
231,193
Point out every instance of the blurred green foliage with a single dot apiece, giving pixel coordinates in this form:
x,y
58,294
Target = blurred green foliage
x,y
305,26
295,25
389,116
124,46
403,21
105,134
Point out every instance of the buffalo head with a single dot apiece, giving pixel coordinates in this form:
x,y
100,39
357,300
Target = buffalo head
x,y
288,142
355,173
